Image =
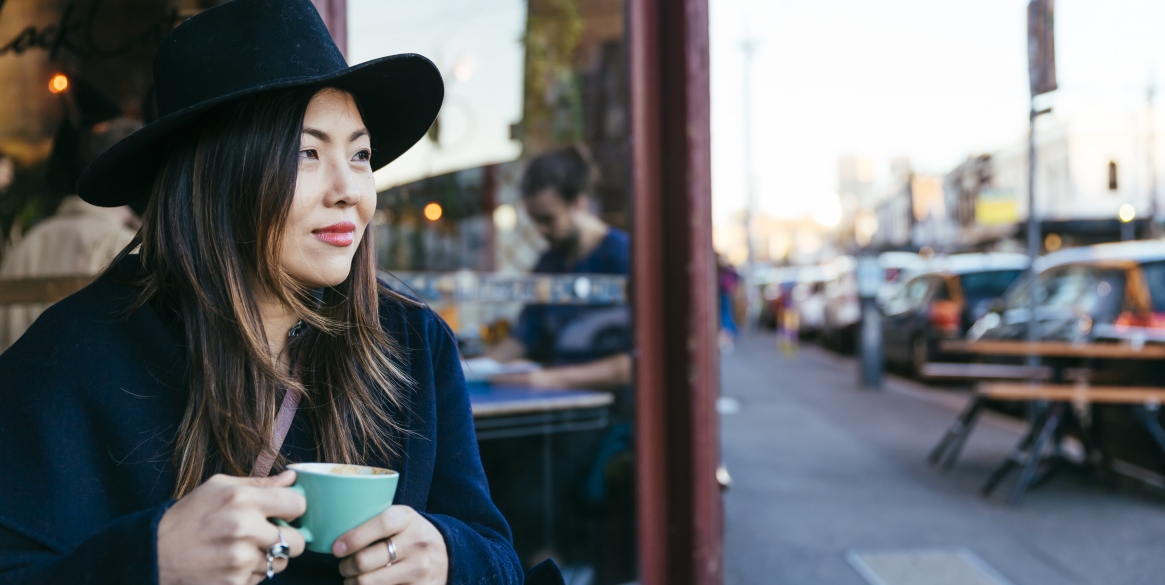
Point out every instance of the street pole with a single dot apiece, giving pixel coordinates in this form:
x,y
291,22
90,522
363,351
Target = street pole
x,y
1154,209
870,277
1033,226
1042,76
749,46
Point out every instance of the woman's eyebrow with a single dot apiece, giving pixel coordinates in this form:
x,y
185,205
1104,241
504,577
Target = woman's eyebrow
x,y
320,134
323,136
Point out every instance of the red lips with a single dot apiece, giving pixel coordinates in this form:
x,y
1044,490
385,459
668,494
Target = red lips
x,y
338,234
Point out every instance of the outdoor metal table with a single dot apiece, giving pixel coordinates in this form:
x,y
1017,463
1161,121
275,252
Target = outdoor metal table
x,y
502,412
1057,417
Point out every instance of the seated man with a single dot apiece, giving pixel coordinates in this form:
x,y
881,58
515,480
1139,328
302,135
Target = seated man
x,y
554,192
580,346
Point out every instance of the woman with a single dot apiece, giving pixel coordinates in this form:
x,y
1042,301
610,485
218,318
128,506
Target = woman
x,y
134,410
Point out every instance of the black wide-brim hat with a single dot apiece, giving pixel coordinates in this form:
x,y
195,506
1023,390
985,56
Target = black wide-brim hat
x,y
245,47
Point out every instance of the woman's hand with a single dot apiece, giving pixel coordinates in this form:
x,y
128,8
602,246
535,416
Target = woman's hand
x,y
421,557
219,532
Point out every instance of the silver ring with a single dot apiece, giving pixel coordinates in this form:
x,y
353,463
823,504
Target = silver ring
x,y
391,552
279,550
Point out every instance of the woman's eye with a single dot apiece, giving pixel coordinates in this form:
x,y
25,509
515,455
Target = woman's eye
x,y
364,155
308,153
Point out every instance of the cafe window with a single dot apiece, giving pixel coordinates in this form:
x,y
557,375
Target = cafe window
x,y
528,258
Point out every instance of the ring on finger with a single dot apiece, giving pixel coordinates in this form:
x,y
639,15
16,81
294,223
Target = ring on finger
x,y
391,551
279,550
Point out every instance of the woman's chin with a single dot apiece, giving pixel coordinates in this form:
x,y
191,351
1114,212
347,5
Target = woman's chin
x,y
323,276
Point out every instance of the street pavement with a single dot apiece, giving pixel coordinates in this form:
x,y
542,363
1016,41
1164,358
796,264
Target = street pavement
x,y
821,468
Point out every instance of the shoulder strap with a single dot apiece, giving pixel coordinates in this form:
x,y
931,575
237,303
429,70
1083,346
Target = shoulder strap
x,y
266,459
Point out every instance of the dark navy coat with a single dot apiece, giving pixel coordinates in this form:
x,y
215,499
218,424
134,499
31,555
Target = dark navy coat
x,y
89,403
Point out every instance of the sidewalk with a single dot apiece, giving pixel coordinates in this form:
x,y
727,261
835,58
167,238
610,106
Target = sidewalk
x,y
821,468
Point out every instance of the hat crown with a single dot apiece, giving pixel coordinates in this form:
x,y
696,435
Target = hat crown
x,y
242,45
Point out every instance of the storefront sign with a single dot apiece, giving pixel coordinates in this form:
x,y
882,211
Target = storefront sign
x,y
1041,46
73,33
996,207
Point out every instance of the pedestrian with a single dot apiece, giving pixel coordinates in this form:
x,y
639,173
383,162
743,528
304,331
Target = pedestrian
x,y
727,281
135,409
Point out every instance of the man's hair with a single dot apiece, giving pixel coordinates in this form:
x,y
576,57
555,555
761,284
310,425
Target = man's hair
x,y
567,171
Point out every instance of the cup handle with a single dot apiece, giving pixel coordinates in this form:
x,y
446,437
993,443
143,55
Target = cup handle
x,y
303,531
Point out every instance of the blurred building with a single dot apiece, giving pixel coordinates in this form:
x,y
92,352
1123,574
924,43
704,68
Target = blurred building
x,y
777,240
1087,167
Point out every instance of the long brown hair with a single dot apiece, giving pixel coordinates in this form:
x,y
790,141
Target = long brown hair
x,y
209,239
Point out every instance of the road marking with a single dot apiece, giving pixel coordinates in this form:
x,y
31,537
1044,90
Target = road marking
x,y
957,566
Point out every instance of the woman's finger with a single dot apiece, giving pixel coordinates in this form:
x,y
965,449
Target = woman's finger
x,y
268,536
281,503
397,574
376,555
282,480
294,540
278,566
388,523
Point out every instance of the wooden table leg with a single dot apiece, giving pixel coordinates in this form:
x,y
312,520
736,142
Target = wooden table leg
x,y
956,449
1147,416
954,438
1035,454
1016,455
548,489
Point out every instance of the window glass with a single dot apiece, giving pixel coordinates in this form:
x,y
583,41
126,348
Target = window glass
x,y
941,290
916,290
511,221
987,285
1155,279
1078,289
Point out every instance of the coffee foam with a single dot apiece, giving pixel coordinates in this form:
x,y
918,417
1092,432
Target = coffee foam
x,y
342,469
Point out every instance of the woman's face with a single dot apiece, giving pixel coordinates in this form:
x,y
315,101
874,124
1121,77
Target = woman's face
x,y
335,194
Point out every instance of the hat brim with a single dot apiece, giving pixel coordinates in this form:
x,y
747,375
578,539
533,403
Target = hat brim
x,y
400,96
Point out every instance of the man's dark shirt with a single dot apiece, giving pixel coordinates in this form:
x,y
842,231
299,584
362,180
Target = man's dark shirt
x,y
571,334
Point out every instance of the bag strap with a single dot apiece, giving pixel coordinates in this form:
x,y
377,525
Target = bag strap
x,y
266,459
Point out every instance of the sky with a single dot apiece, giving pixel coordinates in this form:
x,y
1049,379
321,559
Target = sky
x,y
931,80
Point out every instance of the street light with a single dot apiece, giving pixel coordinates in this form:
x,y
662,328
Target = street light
x,y
1127,214
58,83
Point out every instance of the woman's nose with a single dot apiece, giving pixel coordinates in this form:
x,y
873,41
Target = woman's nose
x,y
343,188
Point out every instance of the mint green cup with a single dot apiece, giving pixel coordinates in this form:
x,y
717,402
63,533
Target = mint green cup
x,y
339,502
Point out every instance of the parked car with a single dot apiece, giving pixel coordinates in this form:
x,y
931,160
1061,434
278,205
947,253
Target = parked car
x,y
1095,292
897,268
943,302
843,308
808,299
